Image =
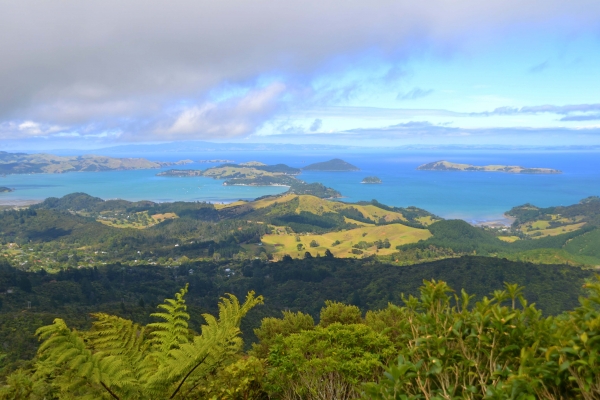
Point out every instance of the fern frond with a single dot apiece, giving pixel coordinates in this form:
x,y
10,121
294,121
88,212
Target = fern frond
x,y
174,331
192,361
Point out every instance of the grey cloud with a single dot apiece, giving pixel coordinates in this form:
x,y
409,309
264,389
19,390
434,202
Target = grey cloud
x,y
548,108
424,128
415,93
316,125
373,112
591,117
97,63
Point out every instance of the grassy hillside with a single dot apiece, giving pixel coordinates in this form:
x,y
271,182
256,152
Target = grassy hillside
x,y
342,243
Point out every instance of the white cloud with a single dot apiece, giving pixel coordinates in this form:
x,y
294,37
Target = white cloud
x,y
228,119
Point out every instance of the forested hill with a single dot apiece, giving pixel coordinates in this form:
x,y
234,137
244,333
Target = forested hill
x,y
587,210
30,300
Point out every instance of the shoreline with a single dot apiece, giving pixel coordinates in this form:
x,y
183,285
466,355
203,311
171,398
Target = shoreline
x,y
504,222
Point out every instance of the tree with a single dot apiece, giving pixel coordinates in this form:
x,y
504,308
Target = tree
x,y
314,243
307,255
25,284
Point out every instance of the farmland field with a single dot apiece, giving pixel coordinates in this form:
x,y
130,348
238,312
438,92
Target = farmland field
x,y
397,234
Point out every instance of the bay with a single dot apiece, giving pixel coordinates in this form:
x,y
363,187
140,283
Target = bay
x,y
473,196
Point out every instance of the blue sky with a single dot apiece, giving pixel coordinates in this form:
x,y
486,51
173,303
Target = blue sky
x,y
392,73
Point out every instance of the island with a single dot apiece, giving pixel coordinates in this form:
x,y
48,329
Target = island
x,y
511,169
216,161
253,164
255,173
332,165
180,172
23,163
4,189
371,180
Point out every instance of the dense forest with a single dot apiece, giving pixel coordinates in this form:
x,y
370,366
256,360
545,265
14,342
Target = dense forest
x,y
435,344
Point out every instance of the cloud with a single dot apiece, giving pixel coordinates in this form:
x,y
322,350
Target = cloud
x,y
590,117
415,93
232,118
539,67
547,108
316,125
124,64
417,129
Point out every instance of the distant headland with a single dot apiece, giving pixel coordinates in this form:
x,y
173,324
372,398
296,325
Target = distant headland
x,y
332,165
511,169
23,163
4,189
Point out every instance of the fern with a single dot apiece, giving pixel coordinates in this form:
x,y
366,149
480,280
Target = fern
x,y
173,331
120,359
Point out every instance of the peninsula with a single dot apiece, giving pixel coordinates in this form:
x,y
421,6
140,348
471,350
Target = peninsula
x,y
4,189
332,165
511,169
371,180
23,163
258,174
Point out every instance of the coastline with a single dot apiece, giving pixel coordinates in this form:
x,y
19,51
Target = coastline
x,y
11,203
505,222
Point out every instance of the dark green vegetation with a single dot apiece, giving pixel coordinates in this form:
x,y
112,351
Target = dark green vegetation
x,y
32,299
437,344
4,189
588,210
456,237
22,163
332,165
511,169
371,179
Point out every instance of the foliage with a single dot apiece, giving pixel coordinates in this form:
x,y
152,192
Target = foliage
x,y
326,362
336,312
271,328
445,345
121,359
492,350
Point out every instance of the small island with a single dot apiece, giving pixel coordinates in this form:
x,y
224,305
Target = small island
x,y
181,172
253,164
510,169
371,180
4,189
215,161
332,165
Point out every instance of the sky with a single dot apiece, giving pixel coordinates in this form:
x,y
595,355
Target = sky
x,y
90,74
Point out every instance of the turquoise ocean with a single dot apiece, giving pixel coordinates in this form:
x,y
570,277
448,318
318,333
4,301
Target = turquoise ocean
x,y
473,196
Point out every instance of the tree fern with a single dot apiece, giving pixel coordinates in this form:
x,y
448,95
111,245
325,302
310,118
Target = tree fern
x,y
173,331
120,359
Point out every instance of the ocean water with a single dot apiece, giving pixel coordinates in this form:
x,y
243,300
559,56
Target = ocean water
x,y
473,196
